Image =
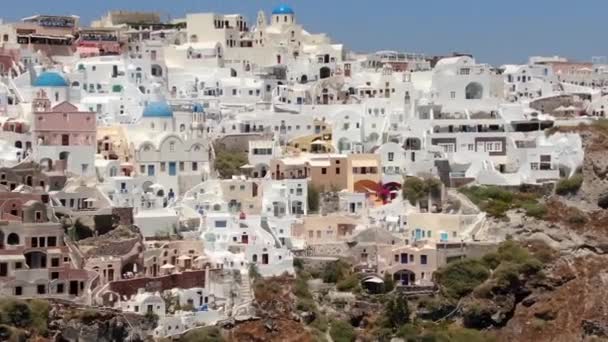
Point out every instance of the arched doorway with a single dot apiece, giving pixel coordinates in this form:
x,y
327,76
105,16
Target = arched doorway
x,y
474,91
156,70
404,278
324,72
35,260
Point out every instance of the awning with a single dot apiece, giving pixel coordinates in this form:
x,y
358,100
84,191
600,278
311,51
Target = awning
x,y
375,280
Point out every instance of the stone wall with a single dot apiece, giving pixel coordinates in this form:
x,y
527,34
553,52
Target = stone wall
x,y
184,280
124,215
335,249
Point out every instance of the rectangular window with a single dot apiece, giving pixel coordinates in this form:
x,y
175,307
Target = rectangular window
x,y
54,275
172,169
182,166
221,224
194,166
448,148
151,170
41,289
18,290
3,269
51,241
59,288
55,262
34,242
142,169
391,156
337,170
323,171
18,265
423,259
453,94
163,167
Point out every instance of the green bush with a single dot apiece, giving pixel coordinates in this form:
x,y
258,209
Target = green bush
x,y
535,210
506,276
40,313
408,332
459,278
298,264
569,186
335,271
300,288
15,313
348,283
320,323
306,304
341,331
396,311
318,336
229,163
389,283
497,201
254,273
416,189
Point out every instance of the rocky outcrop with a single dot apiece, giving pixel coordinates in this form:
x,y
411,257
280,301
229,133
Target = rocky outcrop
x,y
69,322
571,308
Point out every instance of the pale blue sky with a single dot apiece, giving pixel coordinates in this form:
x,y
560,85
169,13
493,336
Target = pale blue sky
x,y
495,31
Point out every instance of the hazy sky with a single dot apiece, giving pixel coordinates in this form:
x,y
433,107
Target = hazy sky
x,y
495,31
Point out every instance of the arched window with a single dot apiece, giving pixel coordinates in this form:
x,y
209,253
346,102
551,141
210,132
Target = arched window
x,y
474,91
182,127
12,239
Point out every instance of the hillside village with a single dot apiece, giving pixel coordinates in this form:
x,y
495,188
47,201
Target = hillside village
x,y
210,178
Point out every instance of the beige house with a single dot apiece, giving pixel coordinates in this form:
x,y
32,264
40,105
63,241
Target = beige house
x,y
355,172
411,264
440,227
363,172
242,194
318,229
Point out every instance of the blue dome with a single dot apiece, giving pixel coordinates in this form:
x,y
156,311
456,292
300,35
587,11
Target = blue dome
x,y
50,79
283,9
158,110
198,108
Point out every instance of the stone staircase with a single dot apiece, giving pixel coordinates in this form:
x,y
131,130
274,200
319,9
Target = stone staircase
x,y
243,308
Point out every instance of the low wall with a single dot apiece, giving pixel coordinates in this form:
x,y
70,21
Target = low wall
x,y
184,280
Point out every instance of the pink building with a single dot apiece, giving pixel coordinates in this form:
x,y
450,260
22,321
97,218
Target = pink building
x,y
35,259
65,137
